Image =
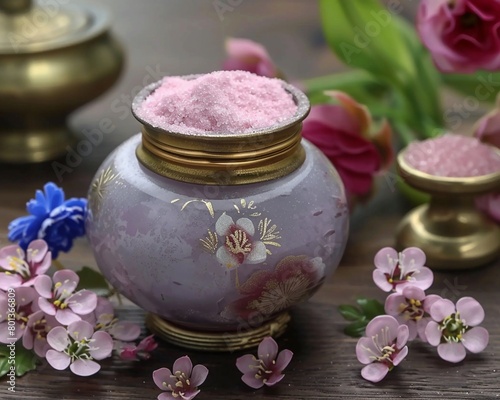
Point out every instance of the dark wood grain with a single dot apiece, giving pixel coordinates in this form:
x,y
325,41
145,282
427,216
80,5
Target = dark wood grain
x,y
186,36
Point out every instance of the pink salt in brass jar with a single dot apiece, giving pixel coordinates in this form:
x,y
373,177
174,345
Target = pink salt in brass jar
x,y
218,235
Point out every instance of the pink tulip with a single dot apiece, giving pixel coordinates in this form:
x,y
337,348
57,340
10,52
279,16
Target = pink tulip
x,y
247,55
487,129
462,35
342,132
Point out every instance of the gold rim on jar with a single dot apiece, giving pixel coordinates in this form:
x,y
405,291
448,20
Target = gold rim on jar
x,y
224,158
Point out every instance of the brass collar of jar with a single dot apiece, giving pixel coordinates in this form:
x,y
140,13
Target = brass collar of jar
x,y
224,159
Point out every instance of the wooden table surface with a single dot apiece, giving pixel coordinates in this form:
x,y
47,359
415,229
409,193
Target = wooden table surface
x,y
186,36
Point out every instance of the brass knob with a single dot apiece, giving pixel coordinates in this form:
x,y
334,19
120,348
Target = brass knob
x,y
15,6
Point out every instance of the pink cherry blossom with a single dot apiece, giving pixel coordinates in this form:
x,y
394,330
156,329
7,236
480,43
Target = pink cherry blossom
x,y
267,367
183,383
383,348
343,132
131,352
103,319
455,328
238,243
58,297
35,336
21,268
247,55
23,299
462,35
394,271
77,346
409,308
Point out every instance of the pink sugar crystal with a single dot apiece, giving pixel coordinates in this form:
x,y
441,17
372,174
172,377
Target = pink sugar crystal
x,y
453,156
221,102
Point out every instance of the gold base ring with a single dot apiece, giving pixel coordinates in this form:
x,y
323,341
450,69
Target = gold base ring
x,y
217,341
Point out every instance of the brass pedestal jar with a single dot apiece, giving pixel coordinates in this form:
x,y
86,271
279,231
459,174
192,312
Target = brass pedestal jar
x,y
218,235
53,59
451,231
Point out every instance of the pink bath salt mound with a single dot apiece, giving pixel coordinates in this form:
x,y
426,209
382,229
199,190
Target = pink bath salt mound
x,y
222,102
454,156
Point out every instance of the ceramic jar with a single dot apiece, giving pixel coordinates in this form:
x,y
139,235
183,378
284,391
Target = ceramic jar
x,y
210,231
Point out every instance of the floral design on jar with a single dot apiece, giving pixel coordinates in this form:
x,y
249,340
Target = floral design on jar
x,y
100,187
268,292
238,245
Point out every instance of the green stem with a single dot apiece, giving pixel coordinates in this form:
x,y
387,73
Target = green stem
x,y
340,81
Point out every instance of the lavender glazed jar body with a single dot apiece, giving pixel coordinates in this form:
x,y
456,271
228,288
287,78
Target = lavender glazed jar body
x,y
207,257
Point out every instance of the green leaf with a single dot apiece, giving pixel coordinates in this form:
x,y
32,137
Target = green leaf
x,y
350,313
425,90
370,307
23,361
363,35
356,329
483,85
91,279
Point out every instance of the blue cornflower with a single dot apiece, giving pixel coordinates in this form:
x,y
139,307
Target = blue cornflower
x,y
53,219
